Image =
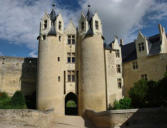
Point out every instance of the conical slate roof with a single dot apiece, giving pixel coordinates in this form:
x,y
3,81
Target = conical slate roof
x,y
89,19
53,17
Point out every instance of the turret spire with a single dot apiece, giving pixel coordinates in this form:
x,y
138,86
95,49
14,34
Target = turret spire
x,y
53,17
89,19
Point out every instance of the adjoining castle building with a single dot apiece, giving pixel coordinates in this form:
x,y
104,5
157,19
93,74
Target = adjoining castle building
x,y
145,58
75,66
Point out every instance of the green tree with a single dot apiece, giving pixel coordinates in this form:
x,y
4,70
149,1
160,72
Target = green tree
x,y
124,103
18,100
138,93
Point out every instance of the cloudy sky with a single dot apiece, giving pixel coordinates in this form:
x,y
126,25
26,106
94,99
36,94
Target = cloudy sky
x,y
19,22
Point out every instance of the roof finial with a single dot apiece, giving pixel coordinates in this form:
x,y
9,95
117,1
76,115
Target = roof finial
x,y
53,5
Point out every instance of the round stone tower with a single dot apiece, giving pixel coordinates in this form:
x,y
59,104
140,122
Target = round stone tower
x,y
92,93
51,63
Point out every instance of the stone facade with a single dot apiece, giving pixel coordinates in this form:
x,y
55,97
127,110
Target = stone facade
x,y
147,61
80,65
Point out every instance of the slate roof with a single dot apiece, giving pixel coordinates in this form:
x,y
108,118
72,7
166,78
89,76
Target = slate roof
x,y
129,50
53,17
154,44
89,19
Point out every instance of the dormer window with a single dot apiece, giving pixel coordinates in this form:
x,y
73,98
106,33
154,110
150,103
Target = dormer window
x,y
60,25
141,46
45,24
82,26
97,25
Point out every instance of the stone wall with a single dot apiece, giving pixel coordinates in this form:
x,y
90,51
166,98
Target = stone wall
x,y
18,74
37,119
132,118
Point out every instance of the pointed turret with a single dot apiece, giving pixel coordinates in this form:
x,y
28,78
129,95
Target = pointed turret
x,y
90,63
53,16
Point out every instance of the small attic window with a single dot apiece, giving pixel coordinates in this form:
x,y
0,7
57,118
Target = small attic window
x,y
60,25
141,46
97,25
45,24
82,26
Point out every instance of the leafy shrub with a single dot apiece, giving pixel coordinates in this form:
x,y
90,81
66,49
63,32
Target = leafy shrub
x,y
138,93
4,101
149,93
3,95
71,104
124,103
18,100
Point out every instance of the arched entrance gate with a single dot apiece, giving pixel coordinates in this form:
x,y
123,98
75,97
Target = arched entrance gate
x,y
71,104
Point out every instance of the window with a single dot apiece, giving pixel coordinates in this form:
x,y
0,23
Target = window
x,y
71,57
44,37
82,26
71,39
117,54
71,76
144,76
58,58
119,81
59,38
60,25
141,47
45,24
135,65
97,25
59,78
118,68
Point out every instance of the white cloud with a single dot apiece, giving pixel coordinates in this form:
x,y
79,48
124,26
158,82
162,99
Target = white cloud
x,y
158,10
33,54
19,22
120,17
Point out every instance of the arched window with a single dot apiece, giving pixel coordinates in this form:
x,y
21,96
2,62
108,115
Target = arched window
x,y
82,25
97,25
60,25
45,24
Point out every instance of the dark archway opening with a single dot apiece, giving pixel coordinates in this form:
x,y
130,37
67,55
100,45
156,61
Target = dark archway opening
x,y
71,104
